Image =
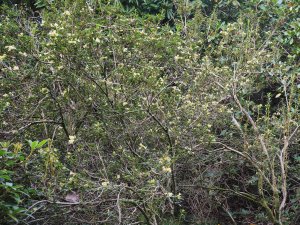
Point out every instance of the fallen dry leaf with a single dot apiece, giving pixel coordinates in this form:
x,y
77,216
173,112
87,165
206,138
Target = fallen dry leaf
x,y
72,197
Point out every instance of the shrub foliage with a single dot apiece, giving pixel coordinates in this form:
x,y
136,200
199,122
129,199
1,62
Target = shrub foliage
x,y
142,121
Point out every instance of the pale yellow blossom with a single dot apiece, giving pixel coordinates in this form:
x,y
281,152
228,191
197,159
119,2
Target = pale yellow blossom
x,y
2,57
177,57
105,183
10,47
97,40
72,139
170,194
16,68
23,54
53,33
166,169
72,173
67,13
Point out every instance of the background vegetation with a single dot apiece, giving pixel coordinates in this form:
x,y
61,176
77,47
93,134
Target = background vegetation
x,y
149,112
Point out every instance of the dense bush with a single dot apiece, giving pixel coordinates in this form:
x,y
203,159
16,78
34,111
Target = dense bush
x,y
146,123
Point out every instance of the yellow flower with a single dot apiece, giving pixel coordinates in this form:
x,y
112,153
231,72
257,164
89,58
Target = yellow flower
x,y
166,169
165,160
152,182
17,147
15,68
170,194
72,139
2,57
105,183
10,47
23,54
179,196
53,33
45,90
67,13
97,40
177,57
72,173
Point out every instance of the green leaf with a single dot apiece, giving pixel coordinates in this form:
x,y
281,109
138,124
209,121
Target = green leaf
x,y
297,158
42,143
33,144
3,152
13,217
10,163
5,177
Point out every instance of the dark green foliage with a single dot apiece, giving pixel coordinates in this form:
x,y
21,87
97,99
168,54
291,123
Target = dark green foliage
x,y
12,192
